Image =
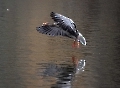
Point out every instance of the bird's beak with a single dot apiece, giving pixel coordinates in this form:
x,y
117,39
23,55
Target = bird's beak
x,y
46,23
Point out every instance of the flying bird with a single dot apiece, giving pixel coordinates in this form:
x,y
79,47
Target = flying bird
x,y
63,26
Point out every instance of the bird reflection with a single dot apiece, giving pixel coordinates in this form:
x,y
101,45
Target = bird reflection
x,y
65,73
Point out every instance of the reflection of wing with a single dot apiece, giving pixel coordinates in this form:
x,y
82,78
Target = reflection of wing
x,y
63,21
52,30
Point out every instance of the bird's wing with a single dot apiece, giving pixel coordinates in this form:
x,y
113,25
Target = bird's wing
x,y
63,21
52,30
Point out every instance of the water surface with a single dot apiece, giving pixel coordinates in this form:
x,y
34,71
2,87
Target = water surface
x,y
32,60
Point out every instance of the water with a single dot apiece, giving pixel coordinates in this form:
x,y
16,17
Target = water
x,y
32,60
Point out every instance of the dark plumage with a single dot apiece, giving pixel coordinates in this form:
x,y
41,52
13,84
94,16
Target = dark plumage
x,y
63,26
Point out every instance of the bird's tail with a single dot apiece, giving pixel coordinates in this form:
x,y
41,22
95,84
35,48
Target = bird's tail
x,y
81,39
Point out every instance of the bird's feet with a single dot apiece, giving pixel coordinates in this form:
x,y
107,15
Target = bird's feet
x,y
76,44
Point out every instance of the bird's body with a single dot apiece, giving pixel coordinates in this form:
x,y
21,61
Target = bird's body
x,y
63,26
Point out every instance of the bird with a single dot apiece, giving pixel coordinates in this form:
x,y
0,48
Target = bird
x,y
62,26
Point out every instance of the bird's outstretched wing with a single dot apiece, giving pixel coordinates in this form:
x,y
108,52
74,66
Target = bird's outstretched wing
x,y
64,22
52,30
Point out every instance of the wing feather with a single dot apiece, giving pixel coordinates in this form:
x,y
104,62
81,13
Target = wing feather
x,y
52,30
63,21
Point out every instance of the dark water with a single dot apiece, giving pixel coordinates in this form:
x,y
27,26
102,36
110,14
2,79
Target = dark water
x,y
32,60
